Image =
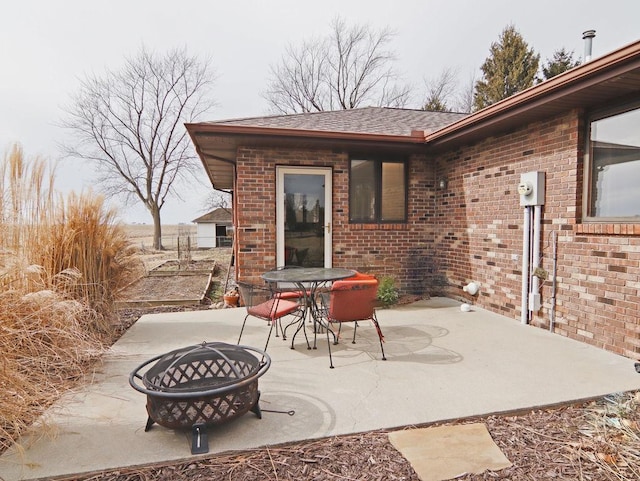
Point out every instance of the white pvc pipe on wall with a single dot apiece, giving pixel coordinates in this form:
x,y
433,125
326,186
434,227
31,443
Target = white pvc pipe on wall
x,y
537,221
552,313
526,251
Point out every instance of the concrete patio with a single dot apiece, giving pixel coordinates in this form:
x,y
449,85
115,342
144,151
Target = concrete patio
x,y
442,364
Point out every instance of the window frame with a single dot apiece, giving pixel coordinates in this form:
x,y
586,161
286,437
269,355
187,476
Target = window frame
x,y
594,116
378,162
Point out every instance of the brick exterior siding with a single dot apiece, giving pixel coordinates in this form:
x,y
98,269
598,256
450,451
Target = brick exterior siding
x,y
472,230
480,236
404,251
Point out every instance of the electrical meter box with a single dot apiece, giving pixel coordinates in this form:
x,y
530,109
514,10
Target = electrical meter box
x,y
531,188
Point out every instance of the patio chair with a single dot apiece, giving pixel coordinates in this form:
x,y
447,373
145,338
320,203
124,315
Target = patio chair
x,y
291,293
359,276
351,301
265,302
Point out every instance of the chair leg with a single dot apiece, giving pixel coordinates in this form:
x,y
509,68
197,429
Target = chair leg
x,y
380,336
382,349
355,328
329,344
283,330
269,336
242,329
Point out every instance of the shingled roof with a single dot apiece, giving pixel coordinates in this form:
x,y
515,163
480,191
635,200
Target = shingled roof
x,y
593,84
367,120
221,215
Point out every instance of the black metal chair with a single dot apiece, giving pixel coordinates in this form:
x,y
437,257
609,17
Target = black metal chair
x,y
291,293
266,302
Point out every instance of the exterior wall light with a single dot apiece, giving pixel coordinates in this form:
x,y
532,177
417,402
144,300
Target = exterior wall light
x,y
442,184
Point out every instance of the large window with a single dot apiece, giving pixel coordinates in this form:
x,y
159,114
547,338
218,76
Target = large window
x,y
377,191
613,167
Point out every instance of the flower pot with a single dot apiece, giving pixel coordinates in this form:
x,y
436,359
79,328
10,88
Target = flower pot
x,y
231,300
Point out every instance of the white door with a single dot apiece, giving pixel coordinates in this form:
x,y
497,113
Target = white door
x,y
303,216
206,235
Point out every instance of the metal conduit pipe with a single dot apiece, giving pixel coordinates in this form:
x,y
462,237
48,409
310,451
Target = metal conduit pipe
x,y
534,295
552,319
526,252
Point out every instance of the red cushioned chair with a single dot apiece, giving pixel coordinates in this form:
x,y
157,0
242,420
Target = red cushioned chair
x,y
290,293
265,303
359,276
352,301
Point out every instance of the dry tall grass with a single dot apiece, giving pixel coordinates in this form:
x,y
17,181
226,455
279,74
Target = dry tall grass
x,y
62,263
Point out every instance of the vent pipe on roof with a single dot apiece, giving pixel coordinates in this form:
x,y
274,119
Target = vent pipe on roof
x,y
588,40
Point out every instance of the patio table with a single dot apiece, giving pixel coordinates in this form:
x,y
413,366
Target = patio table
x,y
307,281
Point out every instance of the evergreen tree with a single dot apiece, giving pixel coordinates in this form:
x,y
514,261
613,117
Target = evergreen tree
x,y
560,62
435,104
511,68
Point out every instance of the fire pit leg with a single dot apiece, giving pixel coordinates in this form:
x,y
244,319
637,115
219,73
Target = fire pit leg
x,y
150,423
256,407
199,440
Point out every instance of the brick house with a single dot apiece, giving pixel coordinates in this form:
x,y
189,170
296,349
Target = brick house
x,y
434,200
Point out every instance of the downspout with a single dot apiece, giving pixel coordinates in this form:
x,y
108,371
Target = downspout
x,y
236,231
552,317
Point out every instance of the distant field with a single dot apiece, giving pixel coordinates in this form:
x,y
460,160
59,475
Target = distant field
x,y
142,234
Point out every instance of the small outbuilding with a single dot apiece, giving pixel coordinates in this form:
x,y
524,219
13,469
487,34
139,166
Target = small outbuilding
x,y
215,228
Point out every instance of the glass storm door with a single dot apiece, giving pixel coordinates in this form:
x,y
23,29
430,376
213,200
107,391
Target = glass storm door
x,y
303,216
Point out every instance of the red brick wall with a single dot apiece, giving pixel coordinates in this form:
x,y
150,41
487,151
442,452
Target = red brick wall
x,y
404,251
473,230
255,203
480,236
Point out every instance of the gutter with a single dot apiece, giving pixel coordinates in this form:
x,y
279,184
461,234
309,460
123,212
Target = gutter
x,y
416,137
577,78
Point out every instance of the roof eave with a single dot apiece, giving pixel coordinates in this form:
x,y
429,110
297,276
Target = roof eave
x,y
581,77
216,144
205,128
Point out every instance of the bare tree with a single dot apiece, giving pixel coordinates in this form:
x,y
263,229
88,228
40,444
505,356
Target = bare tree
x,y
464,98
349,68
298,83
439,91
217,199
129,123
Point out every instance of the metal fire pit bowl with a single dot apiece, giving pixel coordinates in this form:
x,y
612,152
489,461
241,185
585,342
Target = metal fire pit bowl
x,y
199,386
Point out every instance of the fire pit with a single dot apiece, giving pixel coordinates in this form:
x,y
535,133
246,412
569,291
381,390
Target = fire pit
x,y
199,386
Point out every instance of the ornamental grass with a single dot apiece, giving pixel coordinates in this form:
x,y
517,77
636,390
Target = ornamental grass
x,y
62,264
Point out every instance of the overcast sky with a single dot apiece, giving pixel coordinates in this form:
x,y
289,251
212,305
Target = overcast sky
x,y
47,46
